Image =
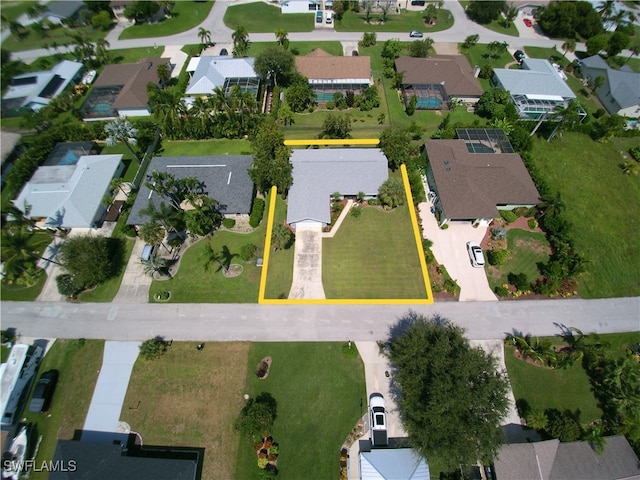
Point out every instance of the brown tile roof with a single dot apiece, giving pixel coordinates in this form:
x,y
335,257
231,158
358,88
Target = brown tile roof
x,y
472,185
452,71
322,65
133,77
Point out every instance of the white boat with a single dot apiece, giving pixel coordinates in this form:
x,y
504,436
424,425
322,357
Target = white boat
x,y
89,77
17,453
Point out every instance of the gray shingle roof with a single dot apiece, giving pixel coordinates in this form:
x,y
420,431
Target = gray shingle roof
x,y
318,173
624,85
225,179
471,185
64,8
538,77
553,460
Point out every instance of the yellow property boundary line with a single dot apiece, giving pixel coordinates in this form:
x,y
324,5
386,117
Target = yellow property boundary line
x,y
343,301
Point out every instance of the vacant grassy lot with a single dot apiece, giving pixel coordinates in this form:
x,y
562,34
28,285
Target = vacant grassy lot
x,y
280,273
49,39
480,55
190,398
526,250
319,393
403,22
184,16
260,17
302,48
546,388
599,199
220,146
78,362
373,256
132,55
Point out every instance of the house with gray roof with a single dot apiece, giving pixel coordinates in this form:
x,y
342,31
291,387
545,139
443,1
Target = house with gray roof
x,y
35,90
70,196
470,180
620,92
318,173
209,73
392,464
536,90
555,460
223,178
61,10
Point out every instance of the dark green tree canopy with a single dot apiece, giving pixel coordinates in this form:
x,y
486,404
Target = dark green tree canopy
x,y
91,260
569,19
271,164
496,103
451,397
484,12
396,145
275,63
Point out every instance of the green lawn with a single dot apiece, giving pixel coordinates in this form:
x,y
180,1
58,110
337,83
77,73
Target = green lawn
x,y
403,22
526,250
205,147
18,293
599,199
184,16
78,362
320,394
546,54
132,55
302,48
280,274
480,55
49,38
496,26
11,10
545,388
260,17
373,256
588,100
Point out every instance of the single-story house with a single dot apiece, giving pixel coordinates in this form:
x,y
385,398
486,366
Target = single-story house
x,y
555,460
117,7
223,178
105,456
536,90
70,196
319,173
469,180
392,464
223,72
121,90
328,74
300,6
35,90
438,79
61,10
620,92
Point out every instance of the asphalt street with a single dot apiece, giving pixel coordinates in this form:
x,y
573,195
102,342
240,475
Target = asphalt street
x,y
270,323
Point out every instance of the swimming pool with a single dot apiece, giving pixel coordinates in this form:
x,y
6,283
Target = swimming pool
x,y
70,158
429,102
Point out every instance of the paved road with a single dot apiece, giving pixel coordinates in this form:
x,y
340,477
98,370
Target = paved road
x,y
226,322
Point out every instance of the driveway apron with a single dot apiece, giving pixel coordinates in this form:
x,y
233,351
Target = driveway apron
x,y
307,263
111,387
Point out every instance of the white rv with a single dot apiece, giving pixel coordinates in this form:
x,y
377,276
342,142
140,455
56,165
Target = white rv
x,y
17,374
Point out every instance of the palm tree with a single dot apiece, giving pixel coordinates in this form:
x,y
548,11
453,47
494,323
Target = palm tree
x,y
101,51
152,233
631,167
282,38
121,130
605,9
503,124
156,265
568,46
211,255
551,205
168,109
170,218
205,36
367,6
240,39
635,51
565,117
509,16
430,13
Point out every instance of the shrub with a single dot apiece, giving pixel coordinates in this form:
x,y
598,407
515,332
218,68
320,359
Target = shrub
x,y
519,280
563,425
486,72
501,291
522,211
373,201
533,223
599,113
153,348
498,233
256,212
66,286
228,223
330,105
444,227
262,462
356,212
497,257
508,215
248,251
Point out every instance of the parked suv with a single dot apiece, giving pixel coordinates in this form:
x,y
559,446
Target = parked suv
x,y
378,420
519,55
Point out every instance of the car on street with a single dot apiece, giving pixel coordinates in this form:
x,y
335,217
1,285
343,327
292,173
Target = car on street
x,y
519,55
41,398
475,254
528,22
378,413
415,34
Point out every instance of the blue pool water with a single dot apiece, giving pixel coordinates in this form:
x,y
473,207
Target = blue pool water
x,y
429,102
324,96
70,158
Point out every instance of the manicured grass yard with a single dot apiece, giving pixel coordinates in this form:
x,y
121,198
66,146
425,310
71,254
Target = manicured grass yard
x,y
259,17
57,36
17,293
78,362
526,249
319,393
280,273
190,398
302,48
599,200
220,146
546,388
403,22
184,16
373,256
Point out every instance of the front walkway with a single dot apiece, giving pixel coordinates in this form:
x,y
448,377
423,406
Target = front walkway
x,y
307,263
111,387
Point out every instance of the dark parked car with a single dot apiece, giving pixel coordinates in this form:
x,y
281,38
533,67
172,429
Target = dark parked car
x,y
519,55
43,392
223,52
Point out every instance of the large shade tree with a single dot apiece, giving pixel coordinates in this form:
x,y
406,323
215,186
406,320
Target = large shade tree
x,y
91,260
452,397
275,63
121,130
271,164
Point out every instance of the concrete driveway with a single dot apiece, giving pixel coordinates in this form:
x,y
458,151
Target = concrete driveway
x,y
307,263
135,284
450,249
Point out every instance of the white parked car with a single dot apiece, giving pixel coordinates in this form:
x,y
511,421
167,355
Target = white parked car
x,y
475,254
378,420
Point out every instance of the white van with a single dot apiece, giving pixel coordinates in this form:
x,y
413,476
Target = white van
x,y
329,17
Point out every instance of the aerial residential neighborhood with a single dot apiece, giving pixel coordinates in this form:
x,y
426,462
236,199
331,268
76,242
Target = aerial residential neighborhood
x,y
320,239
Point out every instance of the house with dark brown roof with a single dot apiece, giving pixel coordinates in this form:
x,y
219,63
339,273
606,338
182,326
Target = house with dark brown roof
x,y
121,90
470,180
438,79
328,74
